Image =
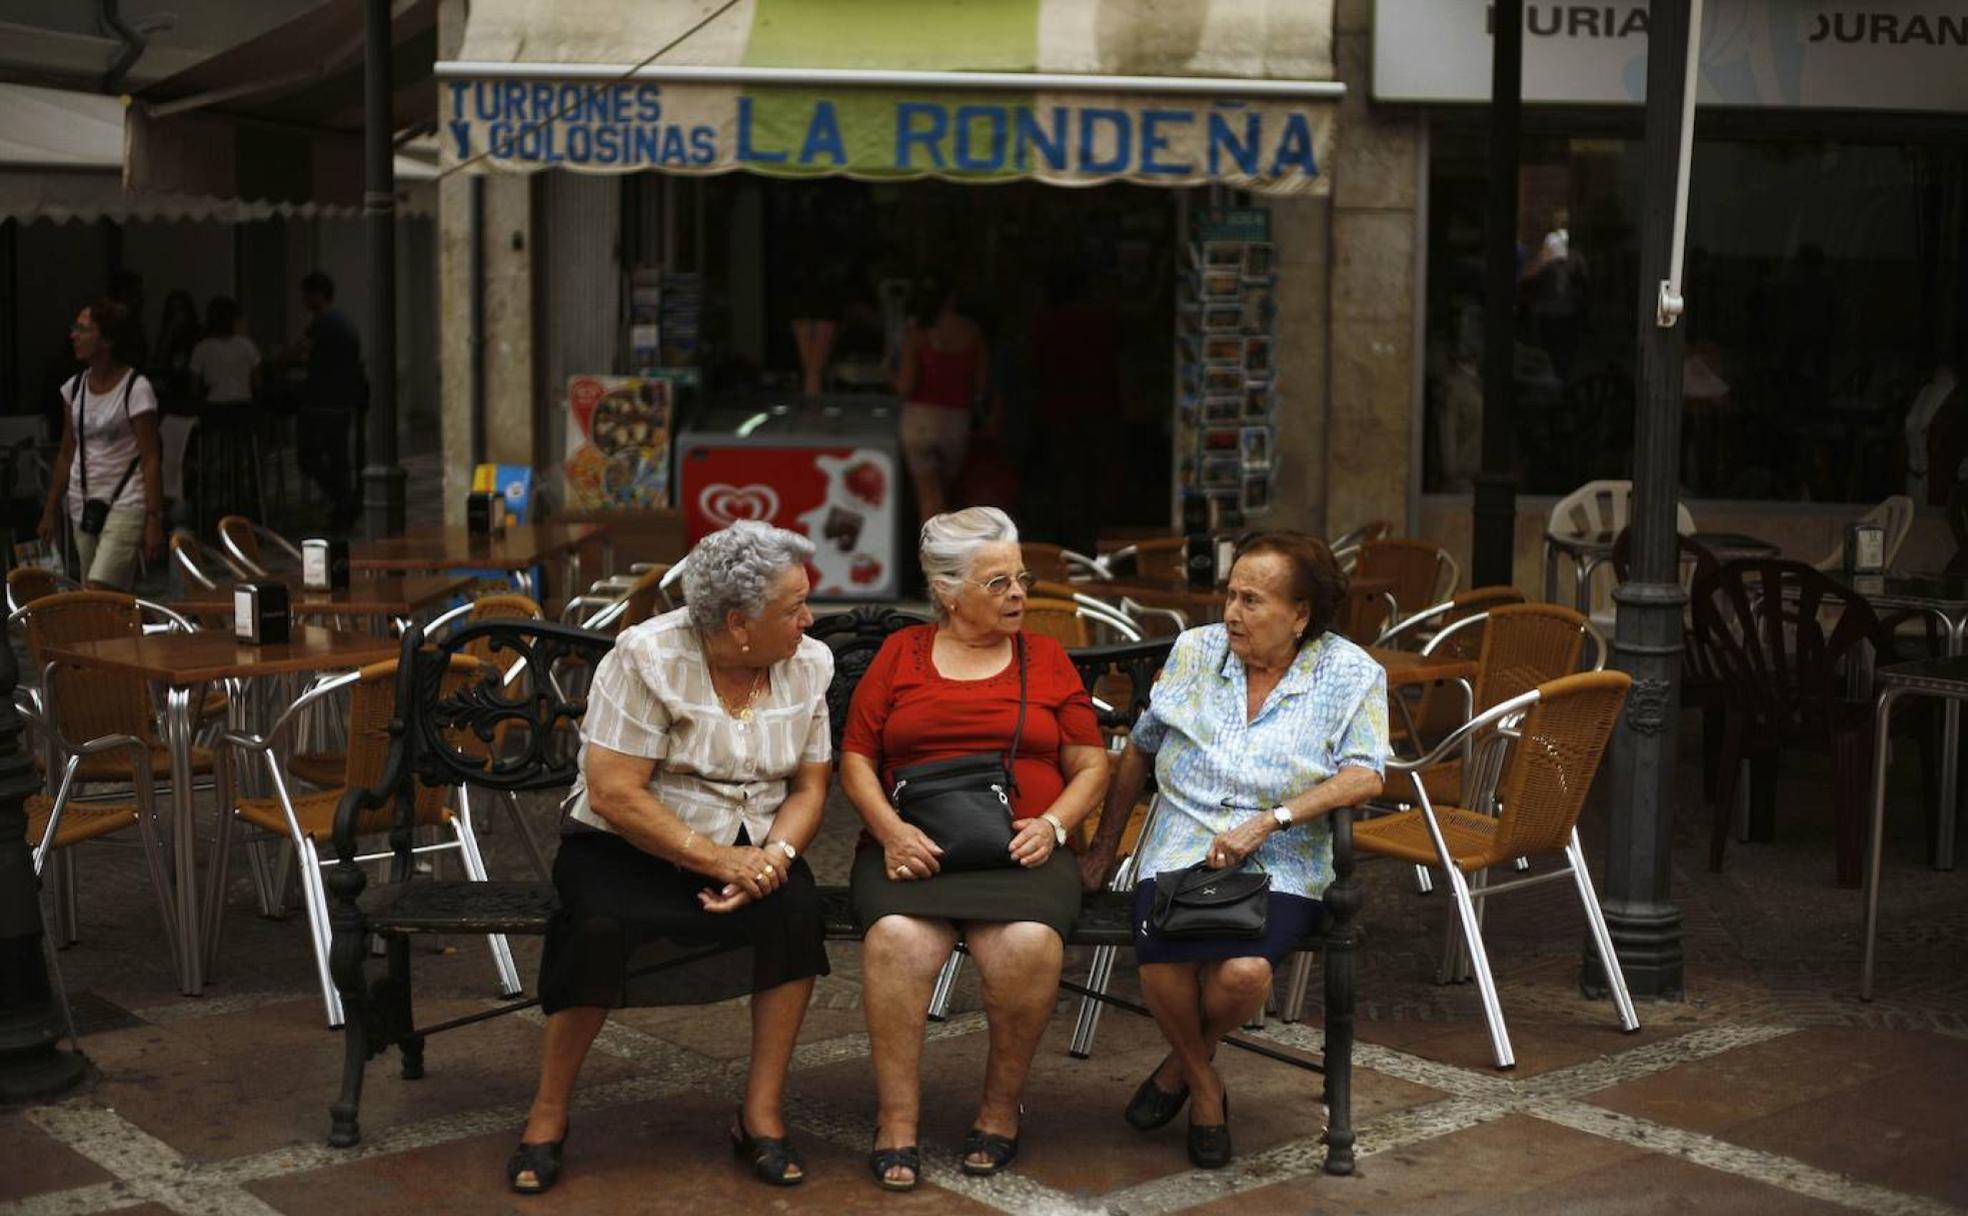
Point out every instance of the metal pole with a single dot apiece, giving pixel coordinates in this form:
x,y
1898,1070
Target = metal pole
x,y
1493,550
382,477
1646,927
31,1066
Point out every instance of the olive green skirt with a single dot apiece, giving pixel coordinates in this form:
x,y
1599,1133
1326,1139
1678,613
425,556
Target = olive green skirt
x,y
1048,894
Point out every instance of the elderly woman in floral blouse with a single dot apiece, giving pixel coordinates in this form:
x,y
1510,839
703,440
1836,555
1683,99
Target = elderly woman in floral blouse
x,y
1257,728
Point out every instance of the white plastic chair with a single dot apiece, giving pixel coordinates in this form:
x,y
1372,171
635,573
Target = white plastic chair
x,y
1595,508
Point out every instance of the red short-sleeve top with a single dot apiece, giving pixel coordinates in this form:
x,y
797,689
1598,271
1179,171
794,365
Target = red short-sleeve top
x,y
905,712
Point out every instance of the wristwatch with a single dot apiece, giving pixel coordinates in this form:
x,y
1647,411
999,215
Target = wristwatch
x,y
791,853
1058,829
1282,816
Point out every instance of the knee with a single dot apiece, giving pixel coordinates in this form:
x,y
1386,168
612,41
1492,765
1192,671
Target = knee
x,y
1244,979
907,944
1018,948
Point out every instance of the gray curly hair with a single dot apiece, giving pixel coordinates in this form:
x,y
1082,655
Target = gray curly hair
x,y
735,569
949,546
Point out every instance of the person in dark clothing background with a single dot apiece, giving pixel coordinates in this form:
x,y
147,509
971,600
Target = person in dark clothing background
x,y
336,389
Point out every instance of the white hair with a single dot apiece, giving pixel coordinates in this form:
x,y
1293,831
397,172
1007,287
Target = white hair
x,y
735,569
950,542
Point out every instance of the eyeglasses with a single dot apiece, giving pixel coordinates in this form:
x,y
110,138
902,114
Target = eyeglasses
x,y
999,587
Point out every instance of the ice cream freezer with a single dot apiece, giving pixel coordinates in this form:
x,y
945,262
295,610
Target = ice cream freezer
x,y
828,467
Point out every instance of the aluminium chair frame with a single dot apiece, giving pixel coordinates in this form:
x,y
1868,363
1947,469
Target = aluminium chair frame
x,y
246,567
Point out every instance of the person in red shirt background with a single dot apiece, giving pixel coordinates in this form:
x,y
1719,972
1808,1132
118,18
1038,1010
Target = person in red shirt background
x,y
938,692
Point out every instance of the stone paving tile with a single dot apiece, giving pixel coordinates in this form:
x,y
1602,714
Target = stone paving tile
x,y
667,1156
1652,1185
1539,1047
38,1163
240,1083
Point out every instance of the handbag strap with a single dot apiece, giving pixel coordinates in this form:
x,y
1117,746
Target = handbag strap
x,y
1018,731
79,401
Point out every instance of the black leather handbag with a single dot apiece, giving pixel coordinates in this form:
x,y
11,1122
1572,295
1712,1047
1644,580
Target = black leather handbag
x,y
1198,902
964,803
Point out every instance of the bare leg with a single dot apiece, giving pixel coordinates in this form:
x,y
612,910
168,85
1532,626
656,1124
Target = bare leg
x,y
1233,990
900,956
930,498
1019,963
569,1035
1196,1005
776,1017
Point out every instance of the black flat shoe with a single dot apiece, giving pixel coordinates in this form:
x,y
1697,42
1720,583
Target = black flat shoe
x,y
773,1158
907,1156
1209,1143
1153,1107
999,1152
541,1160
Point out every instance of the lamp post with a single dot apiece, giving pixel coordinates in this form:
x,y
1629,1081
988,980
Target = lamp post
x,y
382,477
32,1067
1646,926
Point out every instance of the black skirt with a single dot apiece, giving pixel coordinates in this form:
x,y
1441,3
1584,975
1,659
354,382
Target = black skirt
x,y
631,932
1048,894
1290,920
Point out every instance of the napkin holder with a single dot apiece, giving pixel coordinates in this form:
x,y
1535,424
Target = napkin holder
x,y
261,614
1865,548
324,564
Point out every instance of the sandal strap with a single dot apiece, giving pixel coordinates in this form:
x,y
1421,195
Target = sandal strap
x,y
907,1156
999,1149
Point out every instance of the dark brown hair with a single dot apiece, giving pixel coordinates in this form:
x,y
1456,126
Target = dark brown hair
x,y
1311,574
116,325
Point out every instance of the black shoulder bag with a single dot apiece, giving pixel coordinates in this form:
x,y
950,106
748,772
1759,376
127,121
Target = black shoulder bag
x,y
1198,902
964,803
95,511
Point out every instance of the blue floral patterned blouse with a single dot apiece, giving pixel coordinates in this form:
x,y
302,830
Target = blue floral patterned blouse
x,y
1329,711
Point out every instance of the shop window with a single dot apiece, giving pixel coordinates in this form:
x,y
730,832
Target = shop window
x,y
1825,292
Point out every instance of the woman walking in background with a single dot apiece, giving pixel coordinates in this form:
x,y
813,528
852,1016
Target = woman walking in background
x,y
941,378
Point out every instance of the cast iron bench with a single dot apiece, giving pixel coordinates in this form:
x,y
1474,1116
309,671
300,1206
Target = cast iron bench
x,y
378,1009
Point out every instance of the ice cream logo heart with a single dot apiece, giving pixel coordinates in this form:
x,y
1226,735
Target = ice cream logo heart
x,y
727,504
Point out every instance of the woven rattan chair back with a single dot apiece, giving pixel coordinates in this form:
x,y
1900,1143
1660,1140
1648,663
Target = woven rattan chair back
x,y
1524,646
189,554
1414,567
237,531
1046,561
106,702
1160,557
1467,642
372,702
1056,619
499,608
645,596
1554,760
1373,529
1363,615
25,584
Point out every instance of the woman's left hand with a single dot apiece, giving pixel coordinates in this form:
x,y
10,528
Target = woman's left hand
x,y
1034,843
1228,850
153,538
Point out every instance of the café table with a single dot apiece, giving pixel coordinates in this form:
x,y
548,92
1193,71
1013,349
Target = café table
x,y
516,550
1944,678
1591,550
391,599
186,664
1945,598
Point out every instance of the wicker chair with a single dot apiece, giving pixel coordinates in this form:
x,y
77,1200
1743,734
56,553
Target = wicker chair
x,y
1132,613
25,584
246,546
1423,574
188,554
1071,621
308,819
56,822
1546,745
616,604
1364,615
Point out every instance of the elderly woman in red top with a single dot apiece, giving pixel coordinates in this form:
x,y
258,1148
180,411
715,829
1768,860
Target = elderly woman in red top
x,y
938,692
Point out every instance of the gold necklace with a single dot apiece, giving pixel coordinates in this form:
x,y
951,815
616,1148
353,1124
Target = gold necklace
x,y
744,712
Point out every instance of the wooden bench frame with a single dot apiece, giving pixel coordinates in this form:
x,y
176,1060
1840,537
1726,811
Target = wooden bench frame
x,y
378,1009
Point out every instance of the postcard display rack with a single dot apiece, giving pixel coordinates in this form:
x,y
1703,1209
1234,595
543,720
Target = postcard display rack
x,y
1227,416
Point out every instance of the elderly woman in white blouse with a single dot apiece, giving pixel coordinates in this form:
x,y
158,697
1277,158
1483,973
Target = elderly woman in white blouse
x,y
704,762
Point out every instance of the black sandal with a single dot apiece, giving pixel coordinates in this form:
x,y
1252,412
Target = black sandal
x,y
907,1157
1209,1143
1153,1107
771,1156
541,1160
1001,1151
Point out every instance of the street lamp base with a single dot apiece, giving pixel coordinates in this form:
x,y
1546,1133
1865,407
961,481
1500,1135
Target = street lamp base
x,y
1648,941
32,1068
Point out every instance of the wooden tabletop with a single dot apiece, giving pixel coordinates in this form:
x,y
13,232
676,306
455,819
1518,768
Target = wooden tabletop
x,y
1406,668
519,547
393,595
184,659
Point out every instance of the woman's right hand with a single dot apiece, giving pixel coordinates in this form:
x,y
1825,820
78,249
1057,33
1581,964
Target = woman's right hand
x,y
747,869
1096,868
908,853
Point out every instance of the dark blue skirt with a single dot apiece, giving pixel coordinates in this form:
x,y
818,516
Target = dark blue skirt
x,y
1290,920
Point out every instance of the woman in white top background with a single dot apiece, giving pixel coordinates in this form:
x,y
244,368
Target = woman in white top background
x,y
705,753
109,453
225,364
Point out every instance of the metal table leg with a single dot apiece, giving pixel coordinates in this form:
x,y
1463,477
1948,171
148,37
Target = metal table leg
x,y
1881,725
180,725
1950,759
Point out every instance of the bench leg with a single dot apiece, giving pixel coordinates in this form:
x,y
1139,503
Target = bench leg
x,y
344,1129
946,983
1089,1020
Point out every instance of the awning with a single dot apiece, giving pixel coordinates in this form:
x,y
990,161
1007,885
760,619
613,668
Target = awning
x,y
1072,92
278,119
61,159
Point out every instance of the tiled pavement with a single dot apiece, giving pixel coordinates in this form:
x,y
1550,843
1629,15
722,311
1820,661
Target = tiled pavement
x,y
1772,1089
